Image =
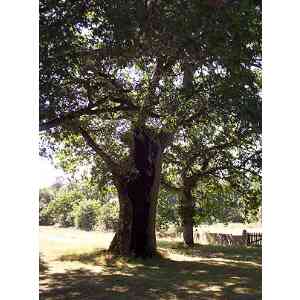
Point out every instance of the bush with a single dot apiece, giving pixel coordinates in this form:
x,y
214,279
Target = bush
x,y
45,197
85,214
45,217
108,217
61,208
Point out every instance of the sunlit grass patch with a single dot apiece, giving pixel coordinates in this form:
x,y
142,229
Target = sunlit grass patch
x,y
102,257
203,272
213,251
96,257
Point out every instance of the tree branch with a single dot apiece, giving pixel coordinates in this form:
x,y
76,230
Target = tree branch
x,y
207,153
169,186
89,110
104,52
67,117
106,157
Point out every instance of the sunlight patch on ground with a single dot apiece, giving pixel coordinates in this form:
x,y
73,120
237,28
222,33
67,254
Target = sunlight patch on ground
x,y
55,242
242,290
220,261
76,269
213,288
64,267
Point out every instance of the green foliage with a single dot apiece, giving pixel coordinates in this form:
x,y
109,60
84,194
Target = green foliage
x,y
108,216
224,203
167,210
253,201
61,208
220,163
217,206
178,63
85,214
99,61
82,203
45,197
45,218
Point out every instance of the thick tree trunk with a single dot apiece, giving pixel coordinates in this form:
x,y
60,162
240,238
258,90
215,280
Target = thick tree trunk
x,y
138,200
187,211
121,243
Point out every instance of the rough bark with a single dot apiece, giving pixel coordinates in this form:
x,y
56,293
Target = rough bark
x,y
121,243
138,193
187,214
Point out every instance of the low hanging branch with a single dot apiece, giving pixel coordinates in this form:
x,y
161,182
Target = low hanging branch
x,y
113,165
89,110
208,152
103,52
67,117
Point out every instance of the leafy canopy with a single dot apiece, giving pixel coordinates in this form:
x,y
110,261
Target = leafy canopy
x,y
166,64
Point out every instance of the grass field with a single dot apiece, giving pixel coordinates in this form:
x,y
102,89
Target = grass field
x,y
75,265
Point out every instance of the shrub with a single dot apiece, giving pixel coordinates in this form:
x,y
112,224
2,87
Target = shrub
x,y
85,214
61,208
108,217
45,217
45,197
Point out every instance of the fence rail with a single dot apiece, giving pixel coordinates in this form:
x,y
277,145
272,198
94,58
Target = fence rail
x,y
254,239
223,239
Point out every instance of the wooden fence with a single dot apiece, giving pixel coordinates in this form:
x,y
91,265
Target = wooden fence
x,y
254,239
222,239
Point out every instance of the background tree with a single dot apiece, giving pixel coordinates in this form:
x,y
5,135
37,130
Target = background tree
x,y
167,210
79,203
122,78
46,195
217,202
218,157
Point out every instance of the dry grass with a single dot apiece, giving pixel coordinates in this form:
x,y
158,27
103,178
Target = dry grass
x,y
77,266
55,241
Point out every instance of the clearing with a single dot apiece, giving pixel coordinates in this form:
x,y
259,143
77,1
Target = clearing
x,y
75,265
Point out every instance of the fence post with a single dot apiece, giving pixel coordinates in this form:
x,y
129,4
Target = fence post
x,y
245,237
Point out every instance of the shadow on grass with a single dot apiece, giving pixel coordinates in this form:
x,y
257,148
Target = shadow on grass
x,y
245,254
43,266
157,278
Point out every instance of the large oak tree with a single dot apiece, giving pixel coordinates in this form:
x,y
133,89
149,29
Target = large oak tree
x,y
128,77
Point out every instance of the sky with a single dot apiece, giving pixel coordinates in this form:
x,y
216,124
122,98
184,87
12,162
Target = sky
x,y
48,173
